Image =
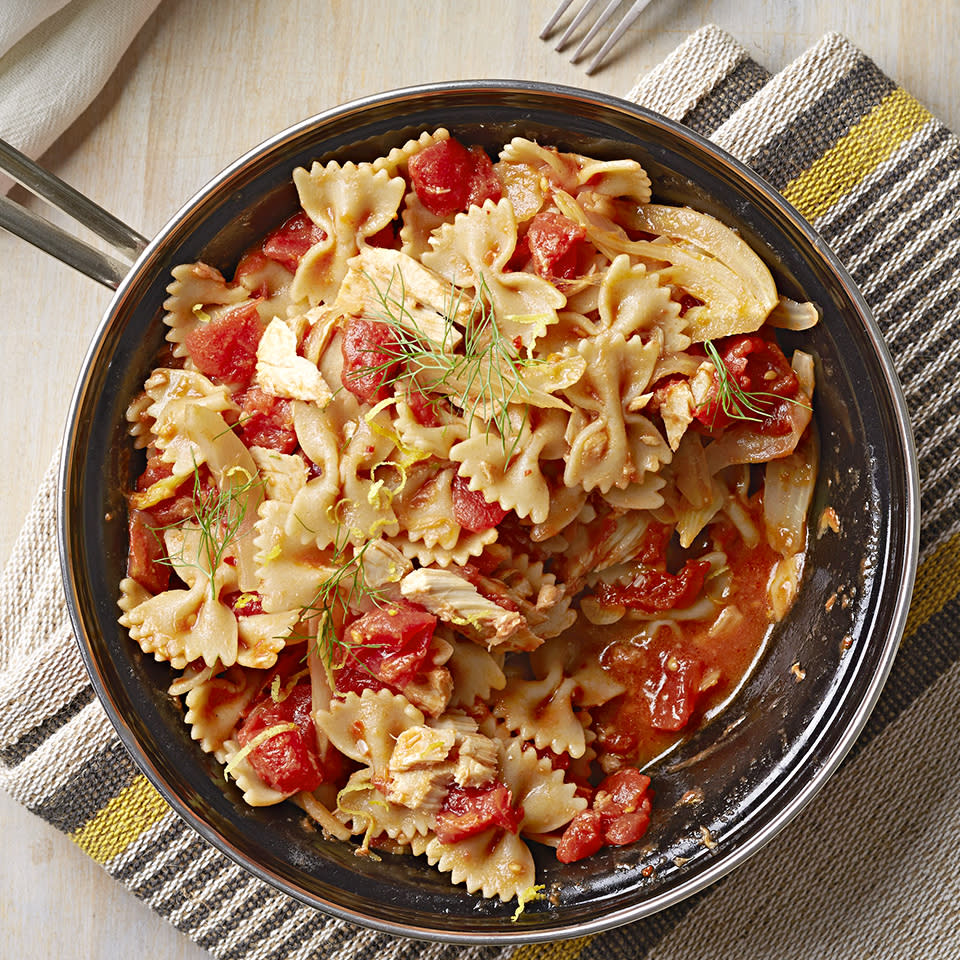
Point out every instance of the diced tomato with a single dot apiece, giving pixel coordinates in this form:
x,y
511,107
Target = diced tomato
x,y
244,604
620,814
424,409
178,505
626,788
385,237
472,510
674,693
252,262
145,552
225,348
447,177
583,837
369,358
654,591
385,648
484,183
520,256
467,811
627,828
290,241
266,421
761,370
653,544
688,302
555,244
288,761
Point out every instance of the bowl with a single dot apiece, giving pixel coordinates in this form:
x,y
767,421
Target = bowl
x,y
756,765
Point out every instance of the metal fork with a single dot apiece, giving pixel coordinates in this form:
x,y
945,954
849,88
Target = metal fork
x,y
619,30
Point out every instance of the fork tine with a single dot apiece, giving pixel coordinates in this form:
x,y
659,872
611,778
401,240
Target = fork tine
x,y
577,20
621,29
557,14
595,29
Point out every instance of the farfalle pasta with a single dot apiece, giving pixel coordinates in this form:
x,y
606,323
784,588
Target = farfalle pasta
x,y
475,489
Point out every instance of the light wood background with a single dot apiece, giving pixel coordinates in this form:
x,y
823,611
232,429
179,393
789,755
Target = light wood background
x,y
203,82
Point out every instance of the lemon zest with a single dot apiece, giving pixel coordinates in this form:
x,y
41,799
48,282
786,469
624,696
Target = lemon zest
x,y
157,492
531,894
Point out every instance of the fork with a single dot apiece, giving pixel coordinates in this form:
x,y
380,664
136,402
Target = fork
x,y
619,30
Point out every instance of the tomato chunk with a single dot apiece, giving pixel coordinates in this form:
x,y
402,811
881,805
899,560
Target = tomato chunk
x,y
370,358
423,408
447,177
673,693
760,370
266,421
555,244
583,837
248,604
654,591
620,814
484,183
225,348
472,510
287,761
467,811
145,553
290,241
385,648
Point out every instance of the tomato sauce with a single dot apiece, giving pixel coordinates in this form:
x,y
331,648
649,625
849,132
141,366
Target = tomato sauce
x,y
683,674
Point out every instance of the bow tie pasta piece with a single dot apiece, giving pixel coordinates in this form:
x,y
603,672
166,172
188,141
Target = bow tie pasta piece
x,y
548,801
190,435
476,673
418,225
604,451
350,203
474,250
166,384
365,728
507,469
496,862
184,625
215,706
632,300
365,810
255,792
542,711
574,173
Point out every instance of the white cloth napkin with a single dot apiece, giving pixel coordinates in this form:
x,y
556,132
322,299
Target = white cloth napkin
x,y
55,57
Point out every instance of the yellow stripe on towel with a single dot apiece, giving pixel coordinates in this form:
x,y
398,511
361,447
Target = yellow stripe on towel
x,y
133,810
860,151
937,583
560,950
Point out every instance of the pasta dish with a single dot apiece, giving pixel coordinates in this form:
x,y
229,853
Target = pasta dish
x,y
473,491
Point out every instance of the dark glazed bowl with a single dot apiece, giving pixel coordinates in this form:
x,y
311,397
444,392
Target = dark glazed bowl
x,y
757,764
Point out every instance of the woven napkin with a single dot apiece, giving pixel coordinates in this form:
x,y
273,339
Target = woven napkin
x,y
870,866
55,57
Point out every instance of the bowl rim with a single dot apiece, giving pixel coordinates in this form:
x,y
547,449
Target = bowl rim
x,y
910,511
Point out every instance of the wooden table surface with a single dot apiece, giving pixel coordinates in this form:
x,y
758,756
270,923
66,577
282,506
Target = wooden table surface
x,y
202,83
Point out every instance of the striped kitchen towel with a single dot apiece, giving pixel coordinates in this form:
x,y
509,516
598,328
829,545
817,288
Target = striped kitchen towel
x,y
879,177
